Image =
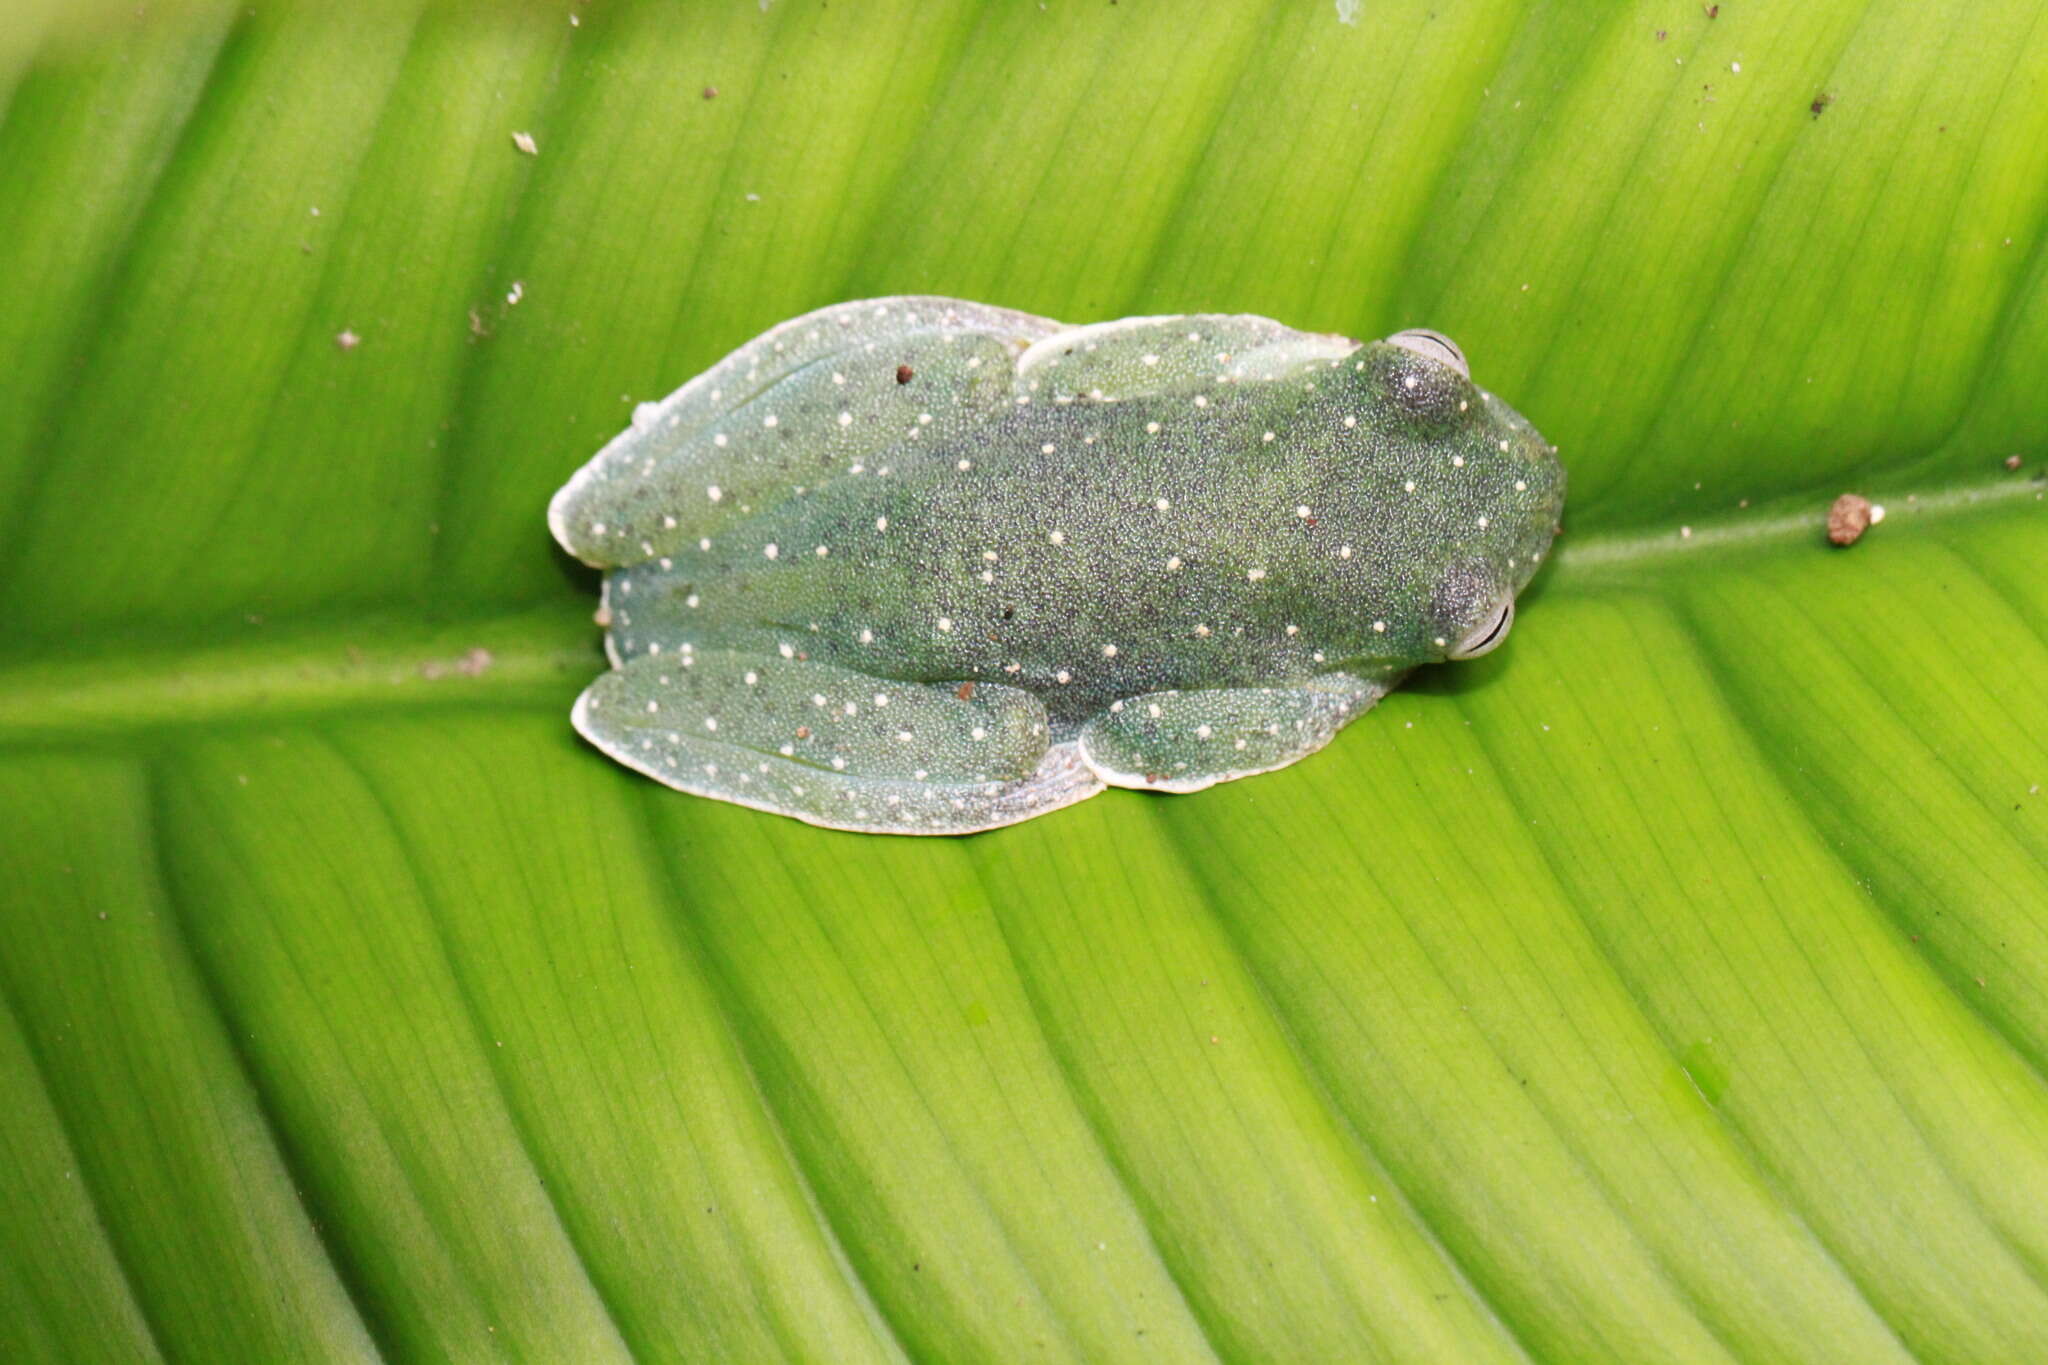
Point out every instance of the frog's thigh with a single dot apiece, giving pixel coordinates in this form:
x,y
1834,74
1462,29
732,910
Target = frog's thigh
x,y
832,746
1185,741
844,386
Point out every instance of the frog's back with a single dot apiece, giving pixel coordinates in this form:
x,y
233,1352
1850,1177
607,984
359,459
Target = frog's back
x,y
959,501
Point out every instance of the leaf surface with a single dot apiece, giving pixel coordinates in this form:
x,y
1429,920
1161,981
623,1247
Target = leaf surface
x,y
1667,985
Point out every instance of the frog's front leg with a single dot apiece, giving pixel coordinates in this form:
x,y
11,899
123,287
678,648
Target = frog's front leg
x,y
1184,741
833,746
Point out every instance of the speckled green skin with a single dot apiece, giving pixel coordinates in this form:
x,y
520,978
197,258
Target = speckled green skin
x,y
1165,551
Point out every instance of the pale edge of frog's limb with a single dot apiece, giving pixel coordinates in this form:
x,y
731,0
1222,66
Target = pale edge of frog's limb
x,y
832,746
1184,741
836,748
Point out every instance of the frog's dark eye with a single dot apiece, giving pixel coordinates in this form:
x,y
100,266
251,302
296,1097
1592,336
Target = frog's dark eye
x,y
1488,635
1435,345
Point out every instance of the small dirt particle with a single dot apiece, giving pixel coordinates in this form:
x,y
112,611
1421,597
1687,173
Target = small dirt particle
x,y
965,691
348,341
904,374
710,92
525,143
2012,462
1711,11
803,732
1820,103
1849,518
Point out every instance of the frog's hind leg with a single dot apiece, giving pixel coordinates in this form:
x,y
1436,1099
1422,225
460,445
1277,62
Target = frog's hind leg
x,y
1185,741
832,746
856,387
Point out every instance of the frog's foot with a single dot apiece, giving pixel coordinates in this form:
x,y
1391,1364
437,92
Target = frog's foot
x,y
1185,741
832,746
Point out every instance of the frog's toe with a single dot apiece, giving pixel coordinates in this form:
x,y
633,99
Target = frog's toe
x,y
1185,741
832,746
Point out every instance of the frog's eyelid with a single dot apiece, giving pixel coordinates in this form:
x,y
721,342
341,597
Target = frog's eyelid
x,y
1488,636
1435,345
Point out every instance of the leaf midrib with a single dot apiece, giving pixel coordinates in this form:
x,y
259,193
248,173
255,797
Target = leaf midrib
x,y
498,654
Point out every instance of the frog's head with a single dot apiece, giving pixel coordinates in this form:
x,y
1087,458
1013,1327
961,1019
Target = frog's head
x,y
1487,493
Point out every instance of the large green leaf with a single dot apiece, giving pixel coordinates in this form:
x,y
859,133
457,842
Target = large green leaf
x,y
1670,985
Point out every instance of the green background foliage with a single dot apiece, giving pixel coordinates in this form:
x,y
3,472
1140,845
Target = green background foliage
x,y
1670,985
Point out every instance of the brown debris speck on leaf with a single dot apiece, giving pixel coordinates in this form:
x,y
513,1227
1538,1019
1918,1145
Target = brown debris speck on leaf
x,y
904,374
1820,103
2012,462
965,692
1848,518
710,92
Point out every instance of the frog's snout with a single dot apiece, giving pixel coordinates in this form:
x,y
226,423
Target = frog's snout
x,y
1536,459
